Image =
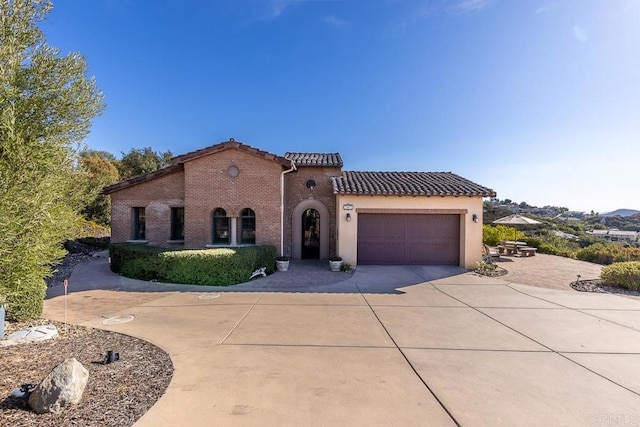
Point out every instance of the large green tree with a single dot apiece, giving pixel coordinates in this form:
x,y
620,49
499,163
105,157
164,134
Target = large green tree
x,y
142,160
47,102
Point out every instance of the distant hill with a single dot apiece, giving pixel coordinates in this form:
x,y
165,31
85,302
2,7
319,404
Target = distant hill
x,y
621,212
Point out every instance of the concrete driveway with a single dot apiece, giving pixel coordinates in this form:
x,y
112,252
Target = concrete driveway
x,y
401,346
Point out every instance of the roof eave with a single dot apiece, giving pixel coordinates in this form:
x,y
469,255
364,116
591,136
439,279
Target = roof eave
x,y
128,183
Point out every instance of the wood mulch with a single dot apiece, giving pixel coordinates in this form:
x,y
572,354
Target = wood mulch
x,y
117,394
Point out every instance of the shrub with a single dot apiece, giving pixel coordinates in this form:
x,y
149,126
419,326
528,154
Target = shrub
x,y
215,267
603,253
265,256
550,244
624,274
492,235
122,253
85,228
345,267
96,242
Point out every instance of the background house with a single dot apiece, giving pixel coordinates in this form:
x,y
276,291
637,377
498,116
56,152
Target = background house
x,y
615,235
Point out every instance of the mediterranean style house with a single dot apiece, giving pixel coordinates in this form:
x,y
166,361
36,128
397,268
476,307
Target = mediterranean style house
x,y
232,194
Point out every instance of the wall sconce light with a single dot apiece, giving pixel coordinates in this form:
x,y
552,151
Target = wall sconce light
x,y
474,217
311,184
348,217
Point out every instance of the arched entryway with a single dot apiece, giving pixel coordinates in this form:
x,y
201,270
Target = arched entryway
x,y
310,230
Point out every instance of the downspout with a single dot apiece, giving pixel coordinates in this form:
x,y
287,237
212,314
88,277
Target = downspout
x,y
293,168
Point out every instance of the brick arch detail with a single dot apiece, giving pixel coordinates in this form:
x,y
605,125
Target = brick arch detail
x,y
296,227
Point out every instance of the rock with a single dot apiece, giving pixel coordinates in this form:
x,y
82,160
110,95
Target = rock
x,y
35,333
101,254
62,387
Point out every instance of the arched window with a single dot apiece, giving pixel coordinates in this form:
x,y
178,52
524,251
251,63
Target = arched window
x,y
248,227
221,232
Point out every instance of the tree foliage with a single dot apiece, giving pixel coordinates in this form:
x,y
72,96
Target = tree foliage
x,y
47,103
139,161
94,173
492,235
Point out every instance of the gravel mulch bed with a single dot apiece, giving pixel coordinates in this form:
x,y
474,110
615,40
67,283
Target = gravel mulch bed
x,y
597,285
117,394
78,253
497,272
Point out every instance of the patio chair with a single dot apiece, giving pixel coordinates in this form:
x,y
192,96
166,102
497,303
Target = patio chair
x,y
492,253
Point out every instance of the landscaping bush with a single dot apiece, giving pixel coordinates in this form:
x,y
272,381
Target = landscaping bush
x,y
85,228
603,253
624,274
215,267
548,248
121,253
550,244
96,242
492,235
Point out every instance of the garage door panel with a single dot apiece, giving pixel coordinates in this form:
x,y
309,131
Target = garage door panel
x,y
383,253
408,239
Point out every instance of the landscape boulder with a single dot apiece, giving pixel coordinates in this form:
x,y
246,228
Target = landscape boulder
x,y
62,387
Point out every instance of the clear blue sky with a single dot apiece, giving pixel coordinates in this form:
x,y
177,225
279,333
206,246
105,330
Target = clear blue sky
x,y
539,100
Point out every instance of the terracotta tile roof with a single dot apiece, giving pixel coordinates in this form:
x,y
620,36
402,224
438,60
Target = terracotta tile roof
x,y
315,159
225,146
407,183
142,178
177,163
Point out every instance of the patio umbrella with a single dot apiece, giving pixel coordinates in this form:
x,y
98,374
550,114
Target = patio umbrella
x,y
516,219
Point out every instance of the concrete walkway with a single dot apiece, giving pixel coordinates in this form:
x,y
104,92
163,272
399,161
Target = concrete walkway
x,y
400,346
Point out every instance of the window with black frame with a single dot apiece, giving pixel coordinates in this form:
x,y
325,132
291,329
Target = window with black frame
x,y
177,223
248,227
138,229
221,235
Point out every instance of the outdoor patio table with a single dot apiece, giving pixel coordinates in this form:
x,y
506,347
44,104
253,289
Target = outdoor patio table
x,y
514,243
512,246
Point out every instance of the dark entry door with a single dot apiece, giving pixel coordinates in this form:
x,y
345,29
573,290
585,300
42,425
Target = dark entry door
x,y
310,234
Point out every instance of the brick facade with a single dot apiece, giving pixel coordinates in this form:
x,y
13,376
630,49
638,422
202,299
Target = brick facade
x,y
203,185
208,186
296,192
157,197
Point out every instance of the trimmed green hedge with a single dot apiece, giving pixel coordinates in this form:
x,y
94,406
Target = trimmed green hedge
x,y
624,274
215,267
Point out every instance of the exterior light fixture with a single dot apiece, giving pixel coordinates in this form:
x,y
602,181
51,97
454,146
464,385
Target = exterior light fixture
x,y
474,217
348,217
311,184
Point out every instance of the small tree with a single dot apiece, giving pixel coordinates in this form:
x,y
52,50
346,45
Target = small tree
x,y
47,103
94,173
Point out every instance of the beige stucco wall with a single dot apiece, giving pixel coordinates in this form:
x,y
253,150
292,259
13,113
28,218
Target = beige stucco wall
x,y
470,232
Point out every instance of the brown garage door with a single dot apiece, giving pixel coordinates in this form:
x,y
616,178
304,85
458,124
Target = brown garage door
x,y
402,239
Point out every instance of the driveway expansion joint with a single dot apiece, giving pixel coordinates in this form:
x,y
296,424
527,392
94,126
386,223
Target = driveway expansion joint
x,y
559,353
440,402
